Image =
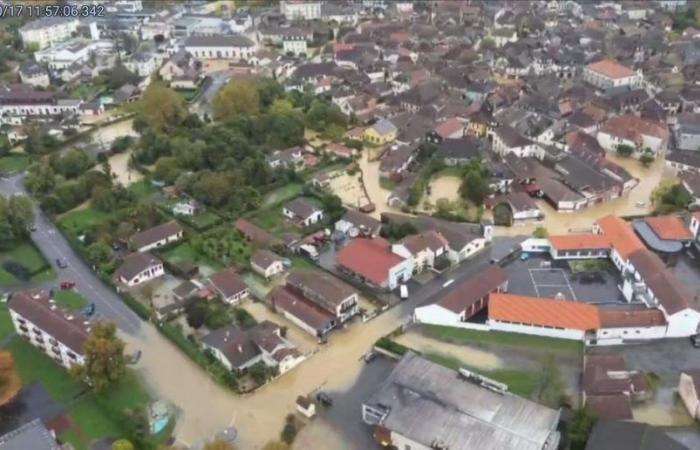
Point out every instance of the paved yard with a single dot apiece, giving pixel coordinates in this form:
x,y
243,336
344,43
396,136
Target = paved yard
x,y
532,277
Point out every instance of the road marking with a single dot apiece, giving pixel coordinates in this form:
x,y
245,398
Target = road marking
x,y
533,282
448,282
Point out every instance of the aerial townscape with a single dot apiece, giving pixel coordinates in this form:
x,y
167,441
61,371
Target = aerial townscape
x,y
349,225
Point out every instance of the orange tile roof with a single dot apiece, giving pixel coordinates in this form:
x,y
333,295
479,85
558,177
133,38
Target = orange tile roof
x,y
579,241
543,312
611,68
633,128
620,235
669,227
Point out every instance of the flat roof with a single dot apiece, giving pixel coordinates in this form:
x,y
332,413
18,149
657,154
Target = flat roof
x,y
431,404
653,241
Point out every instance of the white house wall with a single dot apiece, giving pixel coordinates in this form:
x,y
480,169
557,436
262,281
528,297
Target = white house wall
x,y
576,335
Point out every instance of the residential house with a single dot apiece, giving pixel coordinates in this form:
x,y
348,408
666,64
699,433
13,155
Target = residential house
x,y
373,261
294,43
340,150
624,435
34,74
185,208
608,73
507,139
239,349
32,435
138,268
665,235
687,131
640,134
297,10
302,211
459,151
157,236
298,310
609,388
326,292
21,101
464,300
289,158
182,71
55,331
143,64
396,161
306,406
689,391
452,128
380,133
76,52
254,233
355,223
266,263
442,412
522,207
230,286
220,47
47,31
425,248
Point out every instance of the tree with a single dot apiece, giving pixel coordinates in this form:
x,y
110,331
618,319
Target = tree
x,y
105,363
269,91
98,253
167,169
122,444
16,217
668,198
474,187
39,141
238,97
289,432
219,444
196,314
646,159
580,428
540,232
550,390
161,108
120,75
625,150
73,163
487,43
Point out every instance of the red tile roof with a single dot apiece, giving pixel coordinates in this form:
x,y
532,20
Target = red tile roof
x,y
543,312
369,258
669,228
449,127
631,127
620,235
611,68
579,241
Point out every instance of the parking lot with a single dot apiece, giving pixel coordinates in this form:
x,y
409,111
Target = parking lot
x,y
538,276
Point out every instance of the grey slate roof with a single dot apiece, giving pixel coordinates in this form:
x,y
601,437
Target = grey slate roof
x,y
613,435
33,435
301,207
430,404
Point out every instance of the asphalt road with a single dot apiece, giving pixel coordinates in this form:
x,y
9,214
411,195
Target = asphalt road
x,y
53,245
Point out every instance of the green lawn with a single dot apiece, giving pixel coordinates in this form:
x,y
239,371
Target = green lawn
x,y
520,382
77,222
387,184
282,194
44,275
299,262
25,254
6,327
143,189
6,278
181,253
70,300
202,221
270,219
464,336
13,163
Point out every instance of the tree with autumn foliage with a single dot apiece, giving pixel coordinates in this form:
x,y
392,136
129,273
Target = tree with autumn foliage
x,y
105,362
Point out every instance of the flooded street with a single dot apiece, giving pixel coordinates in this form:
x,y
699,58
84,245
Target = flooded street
x,y
558,223
206,408
377,194
120,167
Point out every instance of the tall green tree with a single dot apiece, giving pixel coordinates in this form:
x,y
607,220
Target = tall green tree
x,y
580,428
237,98
105,363
16,217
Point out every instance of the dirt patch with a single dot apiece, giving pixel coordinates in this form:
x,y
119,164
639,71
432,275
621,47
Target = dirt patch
x,y
478,359
121,171
11,382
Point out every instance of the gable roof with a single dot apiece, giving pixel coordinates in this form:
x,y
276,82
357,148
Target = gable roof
x,y
283,298
579,242
669,228
611,68
620,235
301,207
32,435
665,286
321,288
543,312
473,289
371,258
233,40
136,263
264,258
155,234
616,435
430,239
228,282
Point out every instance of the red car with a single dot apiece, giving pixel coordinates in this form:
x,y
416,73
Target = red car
x,y
67,284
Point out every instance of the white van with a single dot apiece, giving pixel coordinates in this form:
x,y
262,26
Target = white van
x,y
403,292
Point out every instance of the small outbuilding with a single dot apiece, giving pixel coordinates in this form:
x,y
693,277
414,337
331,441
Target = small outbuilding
x,y
306,406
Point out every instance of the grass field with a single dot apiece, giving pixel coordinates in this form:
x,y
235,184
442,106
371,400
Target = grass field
x,y
70,300
282,194
464,336
28,256
181,253
520,382
103,415
202,221
13,163
77,222
6,327
143,189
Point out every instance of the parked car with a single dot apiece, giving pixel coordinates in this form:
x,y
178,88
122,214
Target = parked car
x,y
89,310
324,399
61,263
524,256
67,285
695,340
403,291
370,356
640,204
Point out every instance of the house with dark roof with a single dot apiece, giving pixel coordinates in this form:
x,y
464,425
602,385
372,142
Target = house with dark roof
x,y
233,46
291,158
464,300
230,286
608,388
254,233
298,310
426,249
507,139
459,151
302,211
355,223
325,291
238,349
57,332
375,263
157,236
138,268
623,435
522,207
266,263
397,160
